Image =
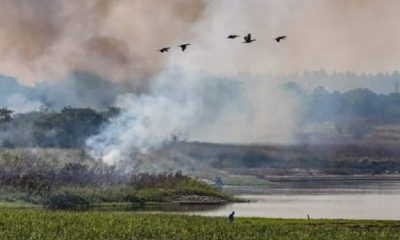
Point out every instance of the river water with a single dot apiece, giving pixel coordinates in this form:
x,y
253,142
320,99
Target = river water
x,y
322,199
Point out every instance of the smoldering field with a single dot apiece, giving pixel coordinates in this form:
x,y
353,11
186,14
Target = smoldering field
x,y
194,107
99,54
188,106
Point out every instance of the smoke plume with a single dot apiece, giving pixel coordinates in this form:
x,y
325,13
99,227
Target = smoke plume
x,y
48,39
185,104
191,93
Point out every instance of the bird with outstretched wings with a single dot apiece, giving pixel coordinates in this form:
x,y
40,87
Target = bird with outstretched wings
x,y
163,50
184,46
280,38
233,36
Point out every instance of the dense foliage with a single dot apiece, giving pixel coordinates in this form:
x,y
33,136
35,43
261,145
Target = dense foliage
x,y
68,128
83,198
355,111
321,105
80,183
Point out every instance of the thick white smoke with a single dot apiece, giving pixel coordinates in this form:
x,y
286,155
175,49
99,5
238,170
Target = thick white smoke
x,y
176,104
191,105
148,123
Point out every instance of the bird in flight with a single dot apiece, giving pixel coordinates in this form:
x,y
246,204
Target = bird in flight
x,y
233,36
184,46
163,50
280,38
247,39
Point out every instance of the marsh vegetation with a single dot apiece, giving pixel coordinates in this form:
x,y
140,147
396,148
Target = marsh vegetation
x,y
31,224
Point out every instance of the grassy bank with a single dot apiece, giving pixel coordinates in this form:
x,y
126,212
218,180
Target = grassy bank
x,y
190,191
64,184
185,191
34,224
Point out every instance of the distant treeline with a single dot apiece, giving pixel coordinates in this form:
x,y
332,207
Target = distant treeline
x,y
321,105
68,128
82,89
383,82
356,110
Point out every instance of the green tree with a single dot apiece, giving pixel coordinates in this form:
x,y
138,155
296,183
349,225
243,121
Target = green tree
x,y
68,128
5,115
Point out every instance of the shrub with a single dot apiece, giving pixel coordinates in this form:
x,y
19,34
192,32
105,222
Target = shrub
x,y
154,195
195,187
162,180
133,198
67,201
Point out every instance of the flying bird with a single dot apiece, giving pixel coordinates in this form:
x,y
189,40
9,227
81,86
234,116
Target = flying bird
x,y
163,50
184,46
280,38
247,39
233,36
231,216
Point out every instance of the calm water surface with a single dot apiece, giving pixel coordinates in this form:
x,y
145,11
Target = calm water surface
x,y
347,199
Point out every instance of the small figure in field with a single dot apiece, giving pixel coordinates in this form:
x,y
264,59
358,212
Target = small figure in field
x,y
231,217
308,217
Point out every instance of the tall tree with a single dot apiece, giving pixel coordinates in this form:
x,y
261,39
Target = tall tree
x,y
5,115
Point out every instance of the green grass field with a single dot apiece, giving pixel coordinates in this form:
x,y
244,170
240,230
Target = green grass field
x,y
39,224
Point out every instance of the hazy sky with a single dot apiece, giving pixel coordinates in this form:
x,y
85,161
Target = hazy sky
x,y
191,93
342,35
118,39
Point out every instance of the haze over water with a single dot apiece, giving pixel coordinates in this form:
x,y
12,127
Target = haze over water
x,y
371,199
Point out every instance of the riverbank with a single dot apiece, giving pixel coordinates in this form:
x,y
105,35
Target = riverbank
x,y
39,224
186,194
78,187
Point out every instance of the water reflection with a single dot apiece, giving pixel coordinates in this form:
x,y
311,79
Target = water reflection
x,y
158,207
347,199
